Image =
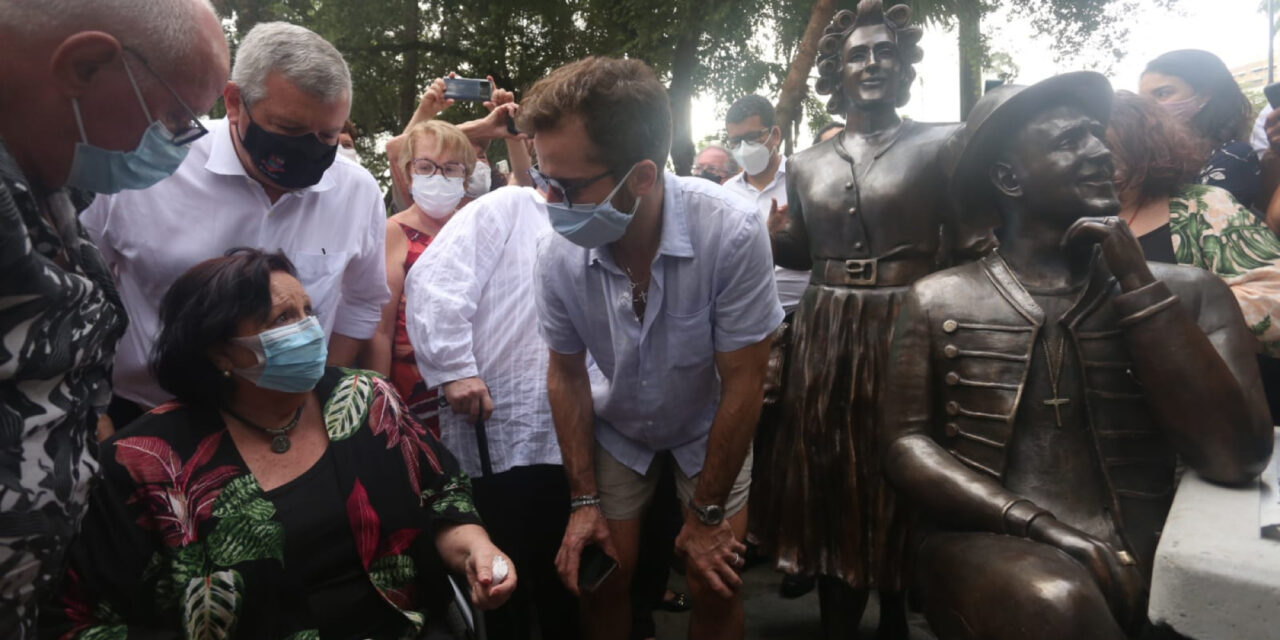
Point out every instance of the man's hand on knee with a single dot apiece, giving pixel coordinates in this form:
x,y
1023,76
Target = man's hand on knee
x,y
713,554
1115,572
587,525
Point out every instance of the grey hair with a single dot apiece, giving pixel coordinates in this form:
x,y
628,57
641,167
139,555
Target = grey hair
x,y
165,32
733,164
305,59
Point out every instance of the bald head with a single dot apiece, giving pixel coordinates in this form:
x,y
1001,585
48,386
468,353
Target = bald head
x,y
169,33
65,55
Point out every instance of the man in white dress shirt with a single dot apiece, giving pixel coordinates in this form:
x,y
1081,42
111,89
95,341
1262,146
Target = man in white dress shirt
x,y
472,320
756,144
667,282
264,177
756,141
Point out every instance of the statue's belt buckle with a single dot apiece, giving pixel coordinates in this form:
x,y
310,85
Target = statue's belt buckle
x,y
861,271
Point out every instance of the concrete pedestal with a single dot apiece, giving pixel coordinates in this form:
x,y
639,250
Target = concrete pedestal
x,y
1215,576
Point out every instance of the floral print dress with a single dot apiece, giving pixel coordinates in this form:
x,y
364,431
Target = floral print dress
x,y
181,541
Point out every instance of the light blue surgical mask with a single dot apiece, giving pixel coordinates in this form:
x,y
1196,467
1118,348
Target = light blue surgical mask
x,y
592,225
102,171
290,358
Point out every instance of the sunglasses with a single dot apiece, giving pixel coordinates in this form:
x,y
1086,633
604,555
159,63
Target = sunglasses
x,y
562,189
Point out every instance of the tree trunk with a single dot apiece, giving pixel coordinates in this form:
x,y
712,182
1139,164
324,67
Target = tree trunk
x,y
408,94
970,18
681,96
796,83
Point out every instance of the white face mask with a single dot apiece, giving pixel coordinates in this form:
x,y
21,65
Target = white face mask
x,y
753,157
349,154
480,180
437,195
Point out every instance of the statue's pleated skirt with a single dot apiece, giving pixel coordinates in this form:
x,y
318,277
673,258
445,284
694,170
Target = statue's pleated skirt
x,y
826,506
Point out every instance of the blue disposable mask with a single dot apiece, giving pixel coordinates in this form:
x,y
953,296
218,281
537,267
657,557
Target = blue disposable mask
x,y
592,225
102,171
290,358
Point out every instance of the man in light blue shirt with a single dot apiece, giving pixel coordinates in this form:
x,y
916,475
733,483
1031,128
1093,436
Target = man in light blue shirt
x,y
667,283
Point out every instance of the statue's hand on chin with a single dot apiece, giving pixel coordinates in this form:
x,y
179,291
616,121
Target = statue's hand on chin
x,y
1120,249
1114,571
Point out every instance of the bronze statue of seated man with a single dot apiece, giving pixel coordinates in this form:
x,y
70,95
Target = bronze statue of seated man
x,y
1039,399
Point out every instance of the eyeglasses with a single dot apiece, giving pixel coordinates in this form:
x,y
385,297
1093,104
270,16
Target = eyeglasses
x,y
561,189
708,168
425,167
183,134
751,136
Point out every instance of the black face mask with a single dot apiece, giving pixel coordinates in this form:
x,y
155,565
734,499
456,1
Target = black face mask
x,y
709,176
293,162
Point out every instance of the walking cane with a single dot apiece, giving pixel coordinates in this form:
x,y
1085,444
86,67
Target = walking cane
x,y
482,443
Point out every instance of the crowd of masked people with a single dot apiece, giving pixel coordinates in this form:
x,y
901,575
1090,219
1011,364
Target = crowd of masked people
x,y
241,398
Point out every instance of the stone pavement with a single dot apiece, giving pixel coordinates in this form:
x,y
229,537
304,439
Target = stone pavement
x,y
770,617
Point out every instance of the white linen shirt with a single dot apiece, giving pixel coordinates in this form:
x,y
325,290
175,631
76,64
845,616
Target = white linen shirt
x,y
334,232
791,283
469,312
711,290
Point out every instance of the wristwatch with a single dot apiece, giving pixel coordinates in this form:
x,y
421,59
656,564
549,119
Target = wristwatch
x,y
710,515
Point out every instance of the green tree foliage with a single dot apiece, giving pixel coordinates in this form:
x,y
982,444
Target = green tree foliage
x,y
395,47
726,48
1091,30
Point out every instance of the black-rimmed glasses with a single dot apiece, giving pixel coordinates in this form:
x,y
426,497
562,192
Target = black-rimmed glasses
x,y
425,167
750,136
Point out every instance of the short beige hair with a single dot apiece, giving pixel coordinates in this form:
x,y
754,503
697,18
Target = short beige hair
x,y
448,137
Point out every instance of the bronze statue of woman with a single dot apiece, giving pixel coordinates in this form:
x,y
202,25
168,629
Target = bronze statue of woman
x,y
868,213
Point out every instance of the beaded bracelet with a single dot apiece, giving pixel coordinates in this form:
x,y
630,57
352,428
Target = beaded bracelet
x,y
578,502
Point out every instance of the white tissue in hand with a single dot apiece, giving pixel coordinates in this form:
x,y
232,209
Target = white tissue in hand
x,y
500,569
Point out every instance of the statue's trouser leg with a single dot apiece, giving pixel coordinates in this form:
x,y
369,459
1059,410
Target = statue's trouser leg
x,y
893,616
841,607
994,587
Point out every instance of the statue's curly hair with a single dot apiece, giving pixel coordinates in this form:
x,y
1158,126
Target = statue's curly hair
x,y
831,48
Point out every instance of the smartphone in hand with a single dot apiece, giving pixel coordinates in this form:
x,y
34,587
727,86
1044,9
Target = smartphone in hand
x,y
468,89
594,567
1272,92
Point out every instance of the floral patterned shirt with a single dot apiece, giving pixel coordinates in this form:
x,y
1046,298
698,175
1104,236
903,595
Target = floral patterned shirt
x,y
1213,231
182,542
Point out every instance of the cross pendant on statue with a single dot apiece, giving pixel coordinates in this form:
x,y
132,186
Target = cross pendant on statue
x,y
1057,403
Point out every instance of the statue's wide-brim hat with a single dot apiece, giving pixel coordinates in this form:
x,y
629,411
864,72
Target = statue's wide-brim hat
x,y
1000,113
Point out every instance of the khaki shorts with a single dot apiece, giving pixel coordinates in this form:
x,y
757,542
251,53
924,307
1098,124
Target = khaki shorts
x,y
624,494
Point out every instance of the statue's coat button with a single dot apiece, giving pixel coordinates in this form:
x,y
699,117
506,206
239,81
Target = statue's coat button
x,y
951,351
950,326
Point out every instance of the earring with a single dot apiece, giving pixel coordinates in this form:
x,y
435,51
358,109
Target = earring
x,y
226,374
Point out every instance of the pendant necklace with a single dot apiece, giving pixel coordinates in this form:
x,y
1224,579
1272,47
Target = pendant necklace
x,y
279,437
639,294
1055,374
